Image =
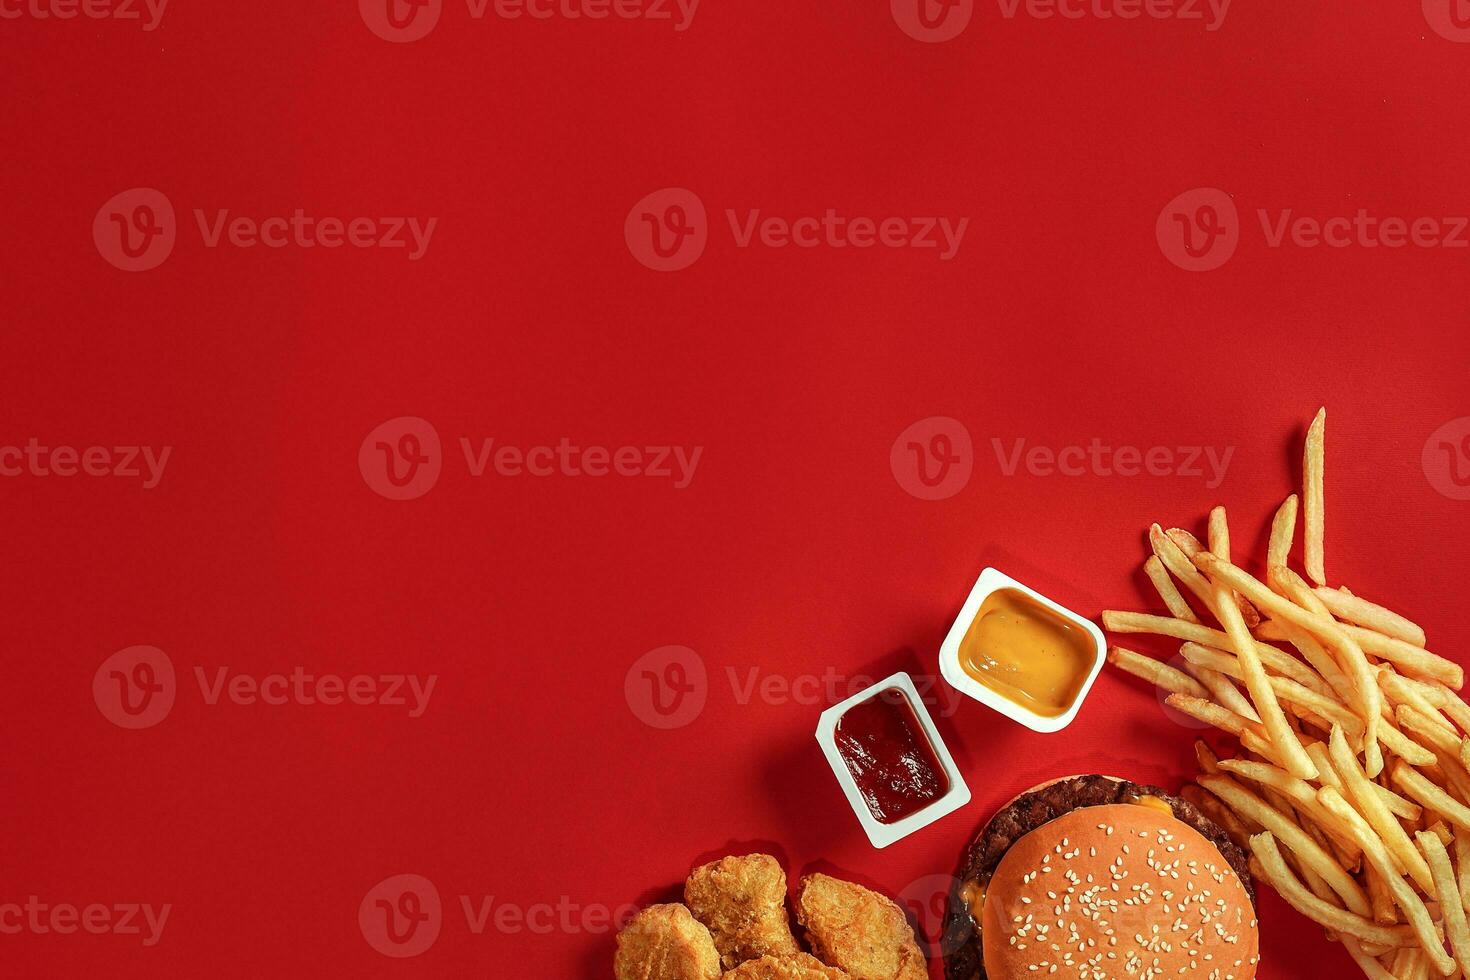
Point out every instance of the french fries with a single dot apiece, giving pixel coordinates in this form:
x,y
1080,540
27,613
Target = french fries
x,y
1408,901
1167,590
1157,672
1283,531
1274,658
1420,788
1451,904
1286,830
1367,802
1361,612
1312,518
1263,846
1352,789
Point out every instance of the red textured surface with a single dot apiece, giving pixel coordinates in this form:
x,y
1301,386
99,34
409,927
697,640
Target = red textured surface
x,y
794,550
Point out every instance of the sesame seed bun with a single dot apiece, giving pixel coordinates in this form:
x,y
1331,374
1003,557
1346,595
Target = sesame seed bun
x,y
1118,890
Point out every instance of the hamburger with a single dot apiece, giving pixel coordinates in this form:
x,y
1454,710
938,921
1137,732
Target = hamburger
x,y
1095,877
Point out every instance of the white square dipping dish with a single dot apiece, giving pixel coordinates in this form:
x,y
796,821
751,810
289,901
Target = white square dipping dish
x,y
882,834
992,580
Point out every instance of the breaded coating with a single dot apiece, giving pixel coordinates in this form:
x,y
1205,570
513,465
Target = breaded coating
x,y
665,942
802,967
743,901
858,931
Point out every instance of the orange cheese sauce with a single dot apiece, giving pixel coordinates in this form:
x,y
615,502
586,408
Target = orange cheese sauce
x,y
1026,653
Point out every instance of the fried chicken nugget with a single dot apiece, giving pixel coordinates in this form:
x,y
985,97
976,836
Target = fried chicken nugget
x,y
665,942
743,901
858,931
802,967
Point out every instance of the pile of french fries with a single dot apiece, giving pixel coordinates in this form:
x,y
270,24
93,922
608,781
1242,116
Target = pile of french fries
x,y
1351,790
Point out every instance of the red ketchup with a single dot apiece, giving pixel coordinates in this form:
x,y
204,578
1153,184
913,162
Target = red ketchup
x,y
890,758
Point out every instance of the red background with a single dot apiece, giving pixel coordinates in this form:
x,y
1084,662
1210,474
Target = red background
x,y
793,551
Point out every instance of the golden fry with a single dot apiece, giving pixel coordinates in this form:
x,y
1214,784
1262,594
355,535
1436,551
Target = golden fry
x,y
1178,563
1405,858
1243,801
1377,855
1209,762
1283,663
1303,797
1224,573
1370,615
1224,692
1209,712
1263,846
1422,726
1312,516
1167,590
1452,906
1156,672
1221,814
1219,535
1398,690
1283,530
1369,699
1258,685
1414,783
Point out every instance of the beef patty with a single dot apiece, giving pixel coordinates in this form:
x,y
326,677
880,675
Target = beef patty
x,y
963,958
